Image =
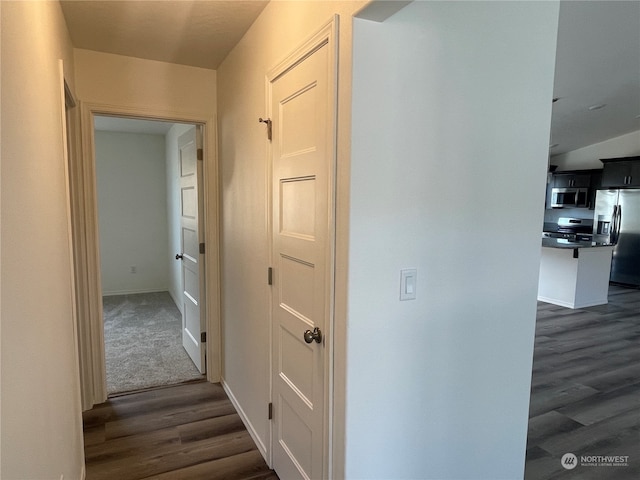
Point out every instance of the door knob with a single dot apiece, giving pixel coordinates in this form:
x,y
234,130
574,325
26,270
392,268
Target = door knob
x,y
310,336
178,256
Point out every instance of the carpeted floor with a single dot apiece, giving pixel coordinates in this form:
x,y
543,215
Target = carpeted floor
x,y
143,343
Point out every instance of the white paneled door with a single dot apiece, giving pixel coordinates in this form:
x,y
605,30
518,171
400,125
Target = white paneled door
x,y
191,257
302,110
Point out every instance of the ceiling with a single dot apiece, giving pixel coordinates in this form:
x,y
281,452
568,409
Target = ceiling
x,y
598,56
597,63
199,33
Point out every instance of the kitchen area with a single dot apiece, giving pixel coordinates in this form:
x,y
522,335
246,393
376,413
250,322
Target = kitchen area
x,y
591,233
585,384
591,230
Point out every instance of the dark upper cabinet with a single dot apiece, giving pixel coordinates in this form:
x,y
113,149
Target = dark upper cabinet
x,y
596,183
571,179
634,181
621,172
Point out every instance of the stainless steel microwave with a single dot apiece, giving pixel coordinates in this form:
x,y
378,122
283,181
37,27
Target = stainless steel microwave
x,y
569,197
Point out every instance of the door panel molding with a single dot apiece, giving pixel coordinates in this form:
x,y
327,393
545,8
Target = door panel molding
x,y
86,247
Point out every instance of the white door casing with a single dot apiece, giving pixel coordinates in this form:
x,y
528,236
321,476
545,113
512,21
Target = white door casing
x,y
302,106
191,208
86,247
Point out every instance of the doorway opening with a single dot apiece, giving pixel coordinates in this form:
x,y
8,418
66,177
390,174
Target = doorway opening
x,y
141,201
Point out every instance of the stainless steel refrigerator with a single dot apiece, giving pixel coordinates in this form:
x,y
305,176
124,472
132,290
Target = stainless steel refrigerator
x,y
617,220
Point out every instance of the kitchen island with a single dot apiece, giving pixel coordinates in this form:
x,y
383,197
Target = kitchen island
x,y
574,274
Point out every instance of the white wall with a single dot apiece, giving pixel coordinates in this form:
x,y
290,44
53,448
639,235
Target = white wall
x,y
132,212
280,28
134,82
173,210
589,157
41,423
451,118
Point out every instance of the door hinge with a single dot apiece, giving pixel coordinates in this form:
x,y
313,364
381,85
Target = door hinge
x,y
270,276
269,123
270,411
202,248
200,154
203,337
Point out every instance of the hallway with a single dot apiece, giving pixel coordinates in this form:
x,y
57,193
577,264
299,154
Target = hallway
x,y
186,432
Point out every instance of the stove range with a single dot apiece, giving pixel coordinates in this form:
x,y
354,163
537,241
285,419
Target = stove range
x,y
571,229
570,237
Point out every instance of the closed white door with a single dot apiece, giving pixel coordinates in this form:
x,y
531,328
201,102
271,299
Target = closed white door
x,y
302,106
191,209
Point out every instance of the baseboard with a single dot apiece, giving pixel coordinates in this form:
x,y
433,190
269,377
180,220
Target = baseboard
x,y
176,300
573,305
252,431
591,303
133,292
555,301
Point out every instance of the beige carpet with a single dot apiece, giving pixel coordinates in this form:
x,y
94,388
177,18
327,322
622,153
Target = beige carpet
x,y
143,343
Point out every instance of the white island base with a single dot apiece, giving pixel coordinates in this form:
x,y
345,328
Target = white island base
x,y
575,282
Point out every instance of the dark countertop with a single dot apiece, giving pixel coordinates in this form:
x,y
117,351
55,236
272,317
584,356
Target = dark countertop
x,y
559,243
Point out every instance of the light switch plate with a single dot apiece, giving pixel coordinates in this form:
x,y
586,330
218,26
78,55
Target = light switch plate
x,y
408,283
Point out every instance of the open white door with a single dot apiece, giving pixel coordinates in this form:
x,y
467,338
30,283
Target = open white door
x,y
191,235
302,109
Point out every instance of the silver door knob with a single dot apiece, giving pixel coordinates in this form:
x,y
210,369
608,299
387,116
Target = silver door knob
x,y
310,336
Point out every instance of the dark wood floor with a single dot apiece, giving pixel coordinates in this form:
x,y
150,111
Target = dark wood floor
x,y
185,432
585,399
585,393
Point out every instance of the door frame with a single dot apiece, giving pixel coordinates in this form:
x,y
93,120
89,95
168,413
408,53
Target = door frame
x,y
327,34
86,247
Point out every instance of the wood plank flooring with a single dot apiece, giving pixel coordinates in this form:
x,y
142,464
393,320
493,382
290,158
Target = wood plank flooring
x,y
585,392
186,432
585,399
